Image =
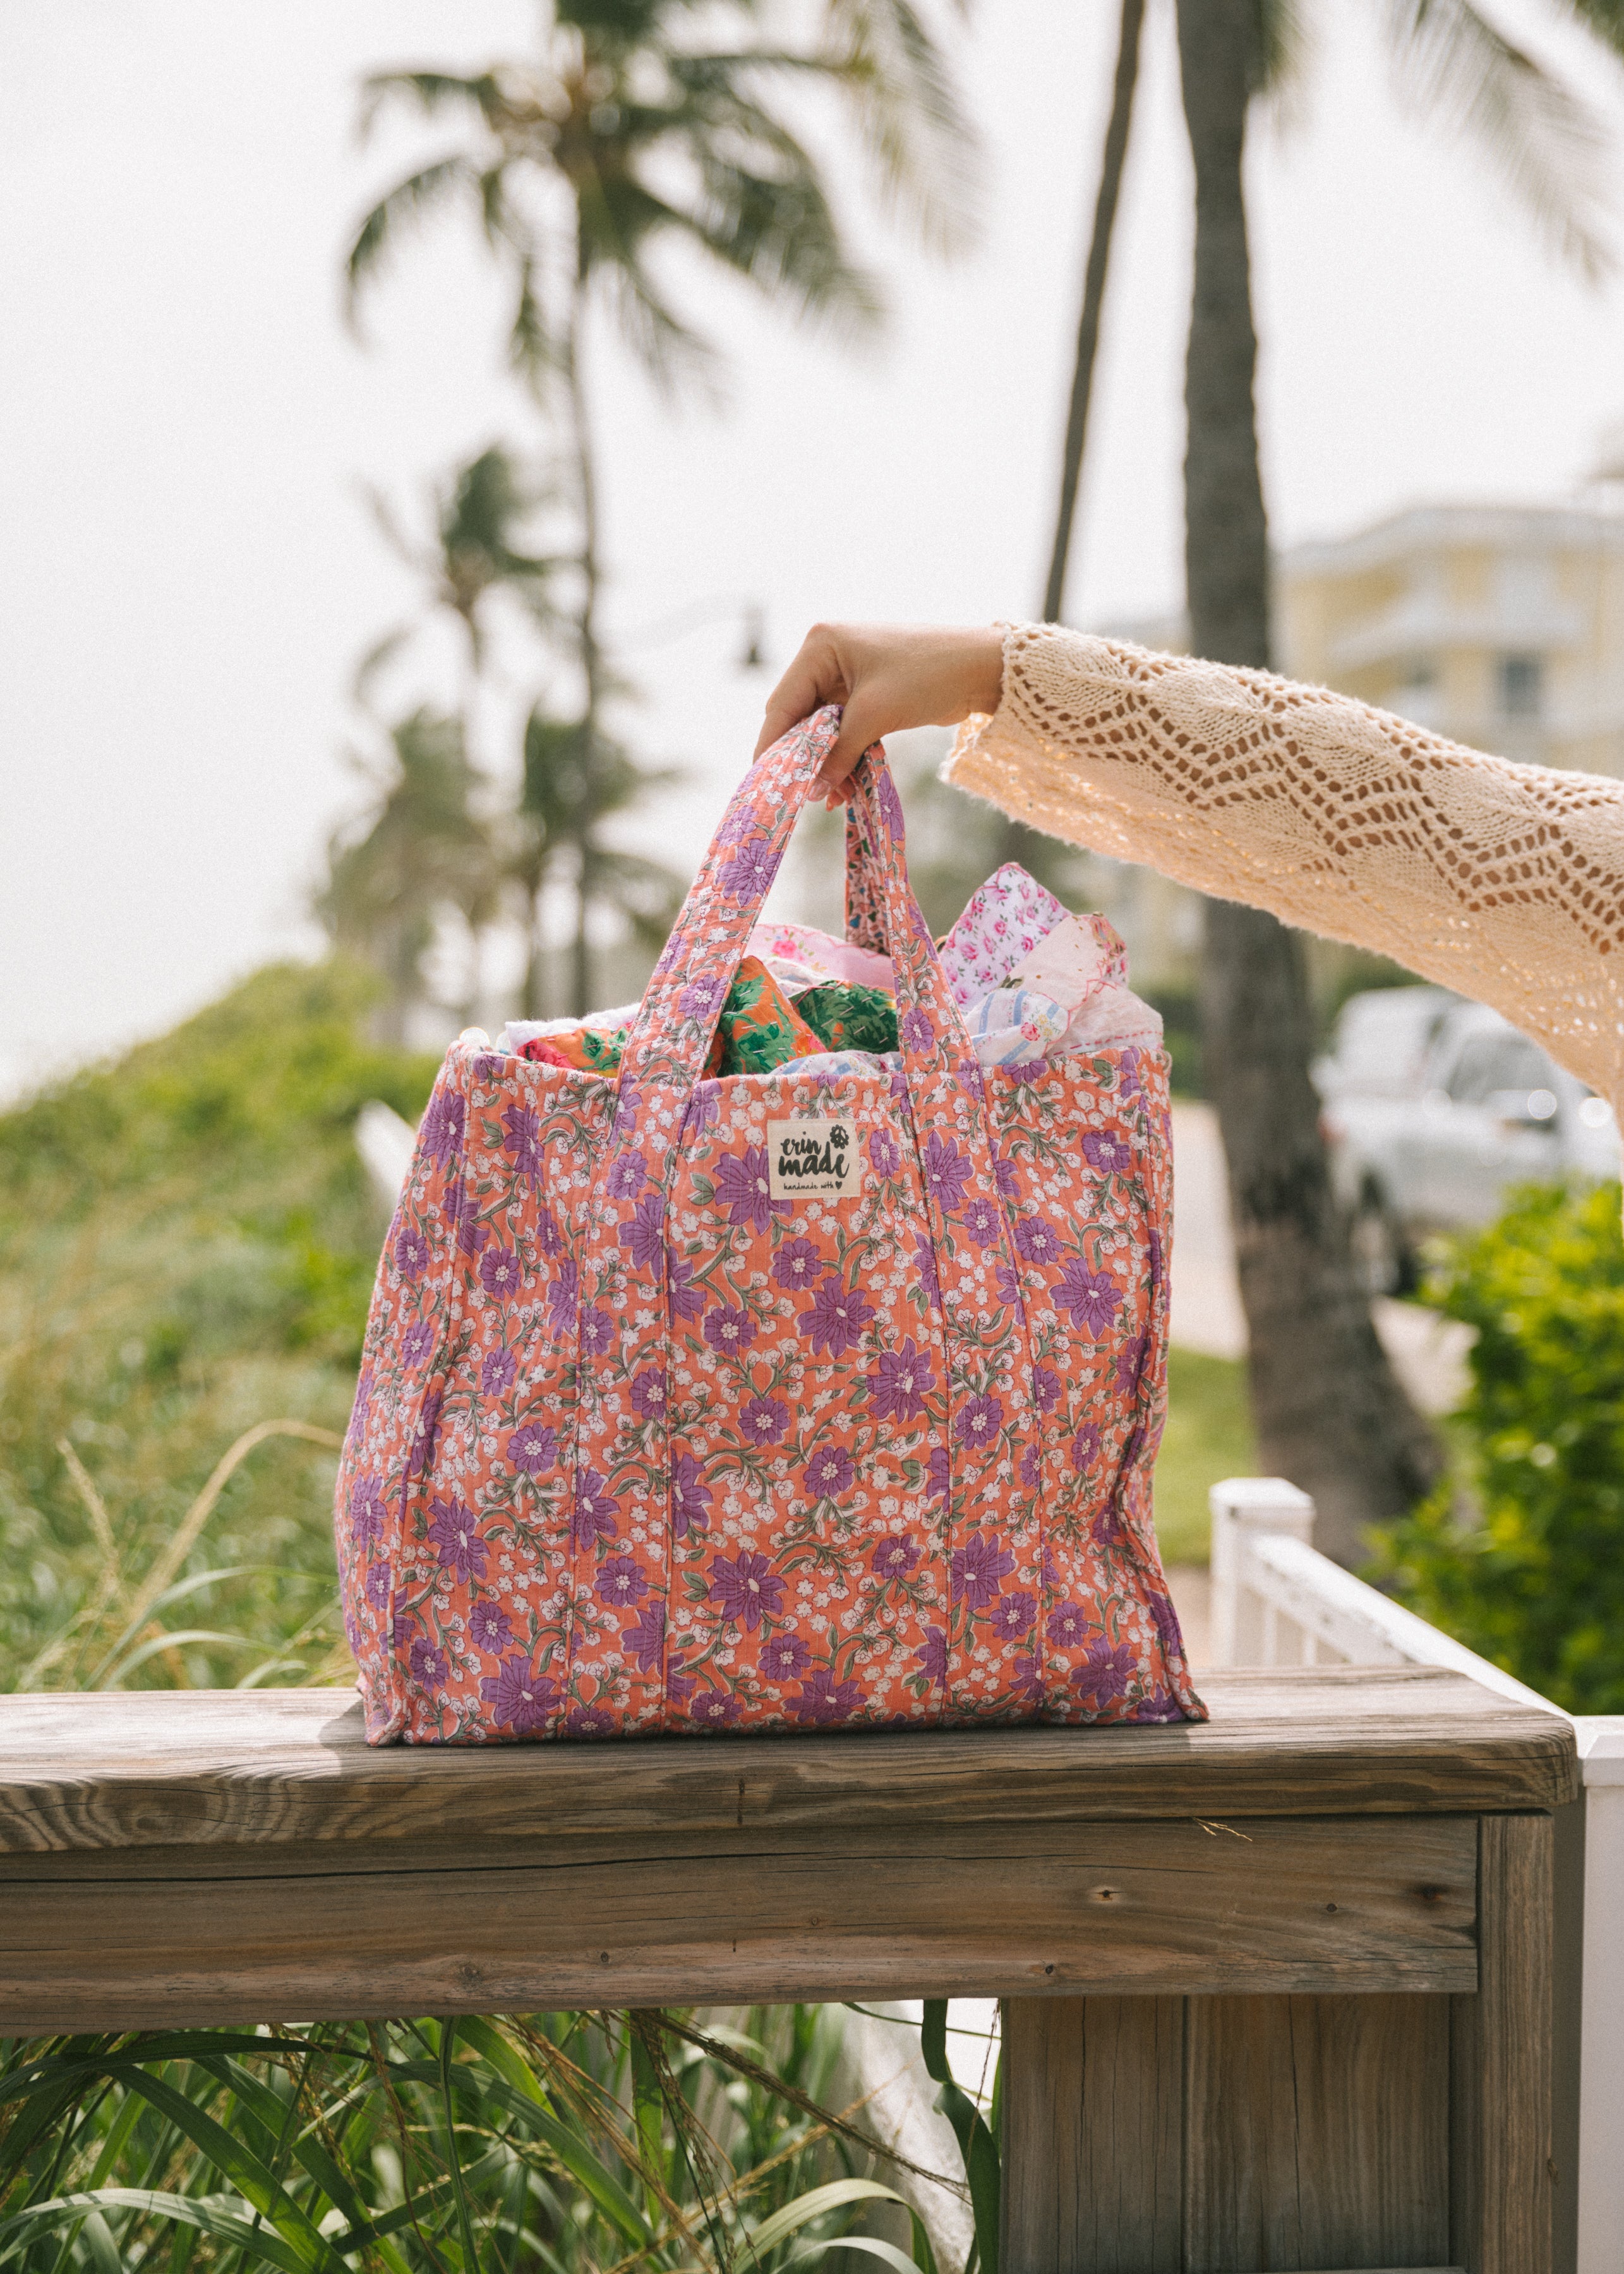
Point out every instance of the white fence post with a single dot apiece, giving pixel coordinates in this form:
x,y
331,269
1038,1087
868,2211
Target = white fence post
x,y
1242,1505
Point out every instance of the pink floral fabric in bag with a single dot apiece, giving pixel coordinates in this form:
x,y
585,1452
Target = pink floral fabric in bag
x,y
640,1445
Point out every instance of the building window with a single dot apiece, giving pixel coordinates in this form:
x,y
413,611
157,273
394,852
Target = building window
x,y
1520,686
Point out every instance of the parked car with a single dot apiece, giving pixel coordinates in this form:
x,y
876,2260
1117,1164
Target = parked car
x,y
1435,1108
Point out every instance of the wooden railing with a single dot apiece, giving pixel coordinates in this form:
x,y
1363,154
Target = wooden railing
x,y
1276,1987
1276,1603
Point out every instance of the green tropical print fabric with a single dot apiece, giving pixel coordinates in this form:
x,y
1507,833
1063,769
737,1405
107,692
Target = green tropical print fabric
x,y
849,1018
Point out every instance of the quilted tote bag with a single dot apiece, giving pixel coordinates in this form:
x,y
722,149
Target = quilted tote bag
x,y
768,1402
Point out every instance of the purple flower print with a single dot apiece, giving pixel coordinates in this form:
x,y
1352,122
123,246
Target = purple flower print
x,y
728,1332
597,1512
453,1534
981,1219
705,998
549,1238
925,1255
939,1471
1156,1706
1032,1468
1106,1530
499,1271
1131,1084
831,1472
521,1137
981,1421
497,1372
915,1032
715,1708
648,1394
1007,1280
590,1721
895,1557
900,1384
824,1699
519,1698
646,1234
379,1580
784,1659
596,1334
890,804
1067,1626
798,1265
629,1173
489,1628
426,1431
1037,1242
1129,1360
412,1252
932,1654
363,1405
749,875
461,1214
1006,1177
836,1319
1106,1673
1013,1616
563,1292
1168,1630
742,1190
1045,1388
947,1171
1093,1297
686,1300
418,1342
1107,1153
1086,1447
884,1153
429,1664
368,1507
440,1134
533,1449
620,1582
764,1421
645,1637
976,1568
747,1588
690,1497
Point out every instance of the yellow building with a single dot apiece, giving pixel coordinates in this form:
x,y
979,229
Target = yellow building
x,y
1501,627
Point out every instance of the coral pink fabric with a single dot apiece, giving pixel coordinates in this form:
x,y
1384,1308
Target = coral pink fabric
x,y
638,1447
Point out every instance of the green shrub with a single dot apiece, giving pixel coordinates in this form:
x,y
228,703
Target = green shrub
x,y
1535,1579
187,1244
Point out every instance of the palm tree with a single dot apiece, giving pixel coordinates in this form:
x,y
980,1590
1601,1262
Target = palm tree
x,y
1330,1413
648,124
1124,81
419,852
563,801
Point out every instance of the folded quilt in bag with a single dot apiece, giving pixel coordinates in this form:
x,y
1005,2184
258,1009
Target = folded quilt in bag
x,y
775,1401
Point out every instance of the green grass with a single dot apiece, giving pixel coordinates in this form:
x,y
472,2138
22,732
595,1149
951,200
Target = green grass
x,y
186,1250
1208,1436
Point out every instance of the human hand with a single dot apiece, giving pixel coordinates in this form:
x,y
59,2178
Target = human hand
x,y
888,676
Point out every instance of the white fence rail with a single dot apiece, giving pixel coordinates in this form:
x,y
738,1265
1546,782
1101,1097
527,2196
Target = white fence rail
x,y
1277,1601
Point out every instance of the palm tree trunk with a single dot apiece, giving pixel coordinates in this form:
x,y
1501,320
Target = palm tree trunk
x,y
1329,1411
1094,300
592,654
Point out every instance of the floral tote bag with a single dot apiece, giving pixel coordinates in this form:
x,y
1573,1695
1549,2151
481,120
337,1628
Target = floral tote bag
x,y
772,1402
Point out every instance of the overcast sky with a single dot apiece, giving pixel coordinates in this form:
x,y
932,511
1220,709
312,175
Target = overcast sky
x,y
189,575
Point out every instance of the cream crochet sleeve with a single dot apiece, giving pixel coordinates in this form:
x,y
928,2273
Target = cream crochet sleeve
x,y
1503,881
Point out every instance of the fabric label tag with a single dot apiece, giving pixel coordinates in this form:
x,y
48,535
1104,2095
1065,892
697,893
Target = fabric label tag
x,y
812,1157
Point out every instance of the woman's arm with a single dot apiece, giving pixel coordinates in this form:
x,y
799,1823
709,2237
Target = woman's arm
x,y
1503,881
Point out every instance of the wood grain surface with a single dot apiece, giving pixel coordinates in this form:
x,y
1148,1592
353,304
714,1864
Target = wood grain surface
x,y
983,1910
232,1767
1501,2174
1093,2110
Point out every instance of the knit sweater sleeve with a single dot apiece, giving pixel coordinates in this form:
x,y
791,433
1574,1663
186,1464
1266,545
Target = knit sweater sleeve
x,y
1503,881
